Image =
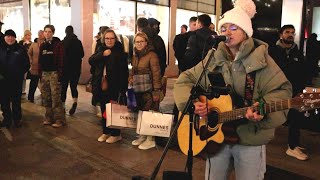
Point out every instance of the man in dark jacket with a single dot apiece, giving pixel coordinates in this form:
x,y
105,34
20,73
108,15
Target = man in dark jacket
x,y
180,43
198,43
51,61
14,63
288,57
158,44
73,54
156,41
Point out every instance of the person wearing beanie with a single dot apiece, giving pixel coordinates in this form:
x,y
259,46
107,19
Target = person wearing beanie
x,y
14,63
253,77
158,44
288,57
74,53
51,62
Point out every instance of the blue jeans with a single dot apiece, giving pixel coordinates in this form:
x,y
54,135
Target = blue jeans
x,y
249,163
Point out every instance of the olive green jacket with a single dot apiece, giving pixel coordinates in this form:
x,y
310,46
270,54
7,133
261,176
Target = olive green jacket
x,y
270,84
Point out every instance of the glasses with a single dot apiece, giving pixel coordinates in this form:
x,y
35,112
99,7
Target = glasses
x,y
109,39
139,42
231,28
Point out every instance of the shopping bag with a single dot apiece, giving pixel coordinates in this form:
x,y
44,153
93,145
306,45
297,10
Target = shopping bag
x,y
154,123
119,116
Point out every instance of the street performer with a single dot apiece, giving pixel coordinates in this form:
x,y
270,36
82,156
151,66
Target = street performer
x,y
252,75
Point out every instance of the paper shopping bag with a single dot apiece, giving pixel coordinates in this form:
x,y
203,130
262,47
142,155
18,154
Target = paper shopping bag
x,y
119,116
154,123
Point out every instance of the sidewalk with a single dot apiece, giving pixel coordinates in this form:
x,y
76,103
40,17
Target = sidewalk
x,y
73,152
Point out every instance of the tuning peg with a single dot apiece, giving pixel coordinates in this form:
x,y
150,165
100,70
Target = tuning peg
x,y
307,114
316,111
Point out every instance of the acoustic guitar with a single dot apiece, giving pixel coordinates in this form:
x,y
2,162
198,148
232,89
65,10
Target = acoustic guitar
x,y
212,131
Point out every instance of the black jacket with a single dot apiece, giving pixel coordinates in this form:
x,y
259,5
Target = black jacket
x,y
198,47
73,54
116,70
180,43
292,63
159,48
14,62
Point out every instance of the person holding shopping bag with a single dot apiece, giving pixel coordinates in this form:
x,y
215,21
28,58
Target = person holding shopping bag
x,y
145,78
110,78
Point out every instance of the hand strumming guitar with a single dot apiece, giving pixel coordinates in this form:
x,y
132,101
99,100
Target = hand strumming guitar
x,y
200,109
253,115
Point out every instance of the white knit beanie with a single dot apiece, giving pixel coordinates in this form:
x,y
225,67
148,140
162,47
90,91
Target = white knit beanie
x,y
240,15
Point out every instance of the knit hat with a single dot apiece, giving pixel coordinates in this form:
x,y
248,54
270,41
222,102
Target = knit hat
x,y
240,15
153,21
10,32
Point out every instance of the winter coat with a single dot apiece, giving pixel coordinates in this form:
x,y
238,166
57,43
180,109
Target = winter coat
x,y
33,53
198,47
292,63
116,70
73,54
147,62
14,62
58,55
270,84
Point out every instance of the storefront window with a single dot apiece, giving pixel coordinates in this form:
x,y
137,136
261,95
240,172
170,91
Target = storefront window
x,y
160,2
60,16
39,15
183,17
120,16
205,6
11,15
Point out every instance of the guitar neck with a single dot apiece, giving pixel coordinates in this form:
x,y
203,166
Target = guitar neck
x,y
267,108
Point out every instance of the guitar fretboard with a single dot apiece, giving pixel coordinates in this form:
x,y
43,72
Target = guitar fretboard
x,y
267,107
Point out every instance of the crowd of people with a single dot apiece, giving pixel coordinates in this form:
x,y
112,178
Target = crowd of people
x,y
253,69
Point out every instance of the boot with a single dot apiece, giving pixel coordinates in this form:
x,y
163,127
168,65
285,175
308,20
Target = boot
x,y
98,111
74,106
148,143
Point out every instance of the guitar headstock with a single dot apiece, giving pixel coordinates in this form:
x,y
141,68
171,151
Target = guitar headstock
x,y
306,101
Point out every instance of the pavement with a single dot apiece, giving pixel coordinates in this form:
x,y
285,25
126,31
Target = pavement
x,y
41,152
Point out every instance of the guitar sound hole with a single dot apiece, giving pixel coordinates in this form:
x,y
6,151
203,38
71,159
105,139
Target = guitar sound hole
x,y
213,119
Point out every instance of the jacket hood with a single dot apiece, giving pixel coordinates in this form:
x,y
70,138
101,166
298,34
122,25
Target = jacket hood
x,y
251,53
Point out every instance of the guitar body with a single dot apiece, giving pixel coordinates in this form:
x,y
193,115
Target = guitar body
x,y
221,104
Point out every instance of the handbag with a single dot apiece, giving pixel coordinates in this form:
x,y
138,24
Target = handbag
x,y
142,83
119,116
154,123
131,99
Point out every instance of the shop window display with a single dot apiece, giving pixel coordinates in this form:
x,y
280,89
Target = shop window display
x,y
11,15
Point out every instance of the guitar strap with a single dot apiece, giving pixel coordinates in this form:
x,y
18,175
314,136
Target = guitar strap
x,y
229,128
249,87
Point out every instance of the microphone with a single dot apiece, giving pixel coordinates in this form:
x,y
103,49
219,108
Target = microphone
x,y
217,38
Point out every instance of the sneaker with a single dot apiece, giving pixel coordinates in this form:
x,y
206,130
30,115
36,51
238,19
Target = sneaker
x,y
73,109
139,141
113,139
58,124
103,137
47,122
147,144
297,153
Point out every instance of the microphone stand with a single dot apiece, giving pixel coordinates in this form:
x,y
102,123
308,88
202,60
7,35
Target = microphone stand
x,y
189,107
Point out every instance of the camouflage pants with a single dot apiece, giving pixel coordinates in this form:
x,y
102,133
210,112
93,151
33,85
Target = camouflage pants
x,y
51,94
